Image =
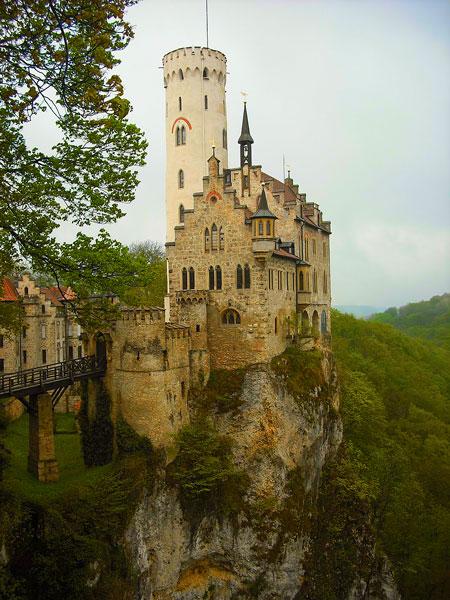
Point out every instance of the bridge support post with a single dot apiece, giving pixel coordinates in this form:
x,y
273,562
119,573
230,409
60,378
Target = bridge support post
x,y
41,445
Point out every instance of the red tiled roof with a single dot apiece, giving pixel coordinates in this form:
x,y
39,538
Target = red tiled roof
x,y
9,291
285,254
55,296
278,186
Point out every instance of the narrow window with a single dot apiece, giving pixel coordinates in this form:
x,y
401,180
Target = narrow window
x,y
181,179
206,102
183,134
260,228
70,352
211,278
214,237
24,332
302,281
1,341
24,357
197,328
178,136
180,104
205,73
314,247
207,240
43,309
221,239
224,139
184,278
26,291
276,325
218,278
2,365
306,249
44,357
180,74
268,232
191,278
80,351
239,277
247,277
270,271
315,281
287,280
181,213
325,283
43,332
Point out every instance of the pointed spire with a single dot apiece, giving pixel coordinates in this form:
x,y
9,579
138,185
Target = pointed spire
x,y
245,136
263,208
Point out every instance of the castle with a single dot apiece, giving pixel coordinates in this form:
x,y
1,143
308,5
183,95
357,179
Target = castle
x,y
248,260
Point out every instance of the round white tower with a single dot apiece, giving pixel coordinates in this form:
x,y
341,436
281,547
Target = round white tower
x,y
196,118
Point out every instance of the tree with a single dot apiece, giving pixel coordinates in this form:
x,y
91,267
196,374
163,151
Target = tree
x,y
152,294
57,55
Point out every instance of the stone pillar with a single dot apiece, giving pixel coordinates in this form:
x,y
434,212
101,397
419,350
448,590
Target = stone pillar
x,y
41,442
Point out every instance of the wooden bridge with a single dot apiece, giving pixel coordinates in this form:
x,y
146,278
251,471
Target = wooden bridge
x,y
40,389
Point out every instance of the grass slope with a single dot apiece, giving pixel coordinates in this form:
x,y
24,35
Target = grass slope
x,y
396,412
429,319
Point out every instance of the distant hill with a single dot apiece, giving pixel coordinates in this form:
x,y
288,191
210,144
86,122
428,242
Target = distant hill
x,y
395,404
429,319
358,310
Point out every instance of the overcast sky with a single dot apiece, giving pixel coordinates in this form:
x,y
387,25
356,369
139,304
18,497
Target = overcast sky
x,y
356,94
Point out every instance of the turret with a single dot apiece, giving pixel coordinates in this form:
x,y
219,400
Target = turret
x,y
194,79
263,226
245,140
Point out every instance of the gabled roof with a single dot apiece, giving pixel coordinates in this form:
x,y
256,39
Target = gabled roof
x,y
55,296
284,254
278,187
9,291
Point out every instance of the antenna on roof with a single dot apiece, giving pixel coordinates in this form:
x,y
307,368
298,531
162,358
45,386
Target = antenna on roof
x,y
284,169
207,28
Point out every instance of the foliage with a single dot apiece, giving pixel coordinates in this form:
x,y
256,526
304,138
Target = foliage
x,y
97,432
204,469
153,294
128,441
222,392
429,319
58,55
302,370
396,413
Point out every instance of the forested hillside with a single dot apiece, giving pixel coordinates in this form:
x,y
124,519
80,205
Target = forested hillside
x,y
396,412
429,319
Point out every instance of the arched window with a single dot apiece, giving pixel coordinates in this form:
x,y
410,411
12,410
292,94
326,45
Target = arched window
x,y
239,277
325,283
260,228
207,240
183,134
315,323
323,322
180,74
224,139
214,245
178,136
247,277
268,231
206,102
184,280
191,278
181,178
26,291
181,213
205,73
315,281
211,278
231,317
302,281
180,103
218,278
221,239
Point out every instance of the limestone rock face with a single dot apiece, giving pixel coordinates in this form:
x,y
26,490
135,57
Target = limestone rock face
x,y
282,442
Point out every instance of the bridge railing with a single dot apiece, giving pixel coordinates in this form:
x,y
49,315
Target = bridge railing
x,y
39,376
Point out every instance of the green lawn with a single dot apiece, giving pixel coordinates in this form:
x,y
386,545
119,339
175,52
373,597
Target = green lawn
x,y
72,472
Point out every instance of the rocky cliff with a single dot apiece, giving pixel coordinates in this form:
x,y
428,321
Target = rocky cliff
x,y
282,421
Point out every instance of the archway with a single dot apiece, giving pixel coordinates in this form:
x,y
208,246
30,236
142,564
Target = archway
x,y
315,323
306,327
